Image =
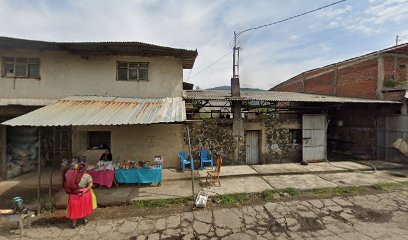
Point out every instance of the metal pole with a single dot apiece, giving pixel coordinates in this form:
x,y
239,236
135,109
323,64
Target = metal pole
x,y
39,172
191,162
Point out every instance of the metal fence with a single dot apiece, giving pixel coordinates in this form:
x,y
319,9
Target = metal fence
x,y
389,129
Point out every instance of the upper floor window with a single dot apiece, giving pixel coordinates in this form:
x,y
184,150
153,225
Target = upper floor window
x,y
132,71
21,67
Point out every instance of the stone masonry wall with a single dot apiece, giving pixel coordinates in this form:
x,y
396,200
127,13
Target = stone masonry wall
x,y
215,135
279,148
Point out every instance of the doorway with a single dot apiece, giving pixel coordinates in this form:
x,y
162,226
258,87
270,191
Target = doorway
x,y
252,147
314,138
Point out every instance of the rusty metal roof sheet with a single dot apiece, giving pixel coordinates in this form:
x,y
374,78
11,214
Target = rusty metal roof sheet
x,y
97,110
272,96
25,102
104,48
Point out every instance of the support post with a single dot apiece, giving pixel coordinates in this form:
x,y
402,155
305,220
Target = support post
x,y
335,76
191,162
39,172
51,168
380,76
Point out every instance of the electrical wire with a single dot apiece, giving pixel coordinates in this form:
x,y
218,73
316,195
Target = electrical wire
x,y
210,65
290,18
266,25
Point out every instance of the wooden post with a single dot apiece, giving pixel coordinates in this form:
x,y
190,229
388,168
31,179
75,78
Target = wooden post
x,y
39,172
51,169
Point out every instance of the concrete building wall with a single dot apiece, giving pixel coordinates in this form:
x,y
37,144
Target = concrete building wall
x,y
138,142
3,162
65,74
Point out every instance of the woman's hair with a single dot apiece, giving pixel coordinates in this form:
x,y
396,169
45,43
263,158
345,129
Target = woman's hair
x,y
81,167
108,149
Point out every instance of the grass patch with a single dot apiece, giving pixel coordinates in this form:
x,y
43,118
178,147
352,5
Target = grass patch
x,y
389,186
334,191
161,203
292,191
269,195
232,198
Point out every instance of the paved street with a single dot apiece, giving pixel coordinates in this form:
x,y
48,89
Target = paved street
x,y
376,216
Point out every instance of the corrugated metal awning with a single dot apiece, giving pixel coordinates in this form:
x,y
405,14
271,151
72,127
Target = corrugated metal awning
x,y
272,96
96,110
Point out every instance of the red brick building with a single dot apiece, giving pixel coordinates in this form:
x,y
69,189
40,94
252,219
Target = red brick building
x,y
378,75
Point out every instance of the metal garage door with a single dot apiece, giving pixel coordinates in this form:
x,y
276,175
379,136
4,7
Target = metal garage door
x,y
314,137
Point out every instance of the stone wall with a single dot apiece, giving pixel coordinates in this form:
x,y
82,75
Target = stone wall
x,y
216,135
278,145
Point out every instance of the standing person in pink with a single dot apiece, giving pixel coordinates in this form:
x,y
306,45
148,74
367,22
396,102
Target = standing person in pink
x,y
81,200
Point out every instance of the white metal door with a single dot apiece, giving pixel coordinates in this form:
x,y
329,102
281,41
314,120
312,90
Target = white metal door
x,y
314,137
252,147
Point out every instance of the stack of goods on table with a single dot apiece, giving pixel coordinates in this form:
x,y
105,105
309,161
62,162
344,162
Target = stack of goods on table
x,y
103,165
136,164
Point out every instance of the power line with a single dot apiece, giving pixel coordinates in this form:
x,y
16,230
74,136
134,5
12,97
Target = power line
x,y
290,18
210,65
261,26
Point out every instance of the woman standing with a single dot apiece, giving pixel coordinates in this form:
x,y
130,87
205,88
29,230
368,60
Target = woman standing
x,y
81,200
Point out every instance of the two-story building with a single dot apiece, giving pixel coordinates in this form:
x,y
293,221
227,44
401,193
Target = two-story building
x,y
123,95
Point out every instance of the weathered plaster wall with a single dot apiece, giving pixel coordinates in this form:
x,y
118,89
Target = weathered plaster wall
x,y
64,74
3,163
141,142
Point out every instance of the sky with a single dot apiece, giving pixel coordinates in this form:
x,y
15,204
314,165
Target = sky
x,y
268,55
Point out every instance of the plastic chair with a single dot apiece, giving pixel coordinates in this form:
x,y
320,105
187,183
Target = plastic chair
x,y
184,159
205,157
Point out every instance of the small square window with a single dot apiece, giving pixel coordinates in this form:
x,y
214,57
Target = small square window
x,y
132,71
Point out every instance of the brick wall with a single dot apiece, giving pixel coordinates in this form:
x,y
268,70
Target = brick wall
x,y
358,80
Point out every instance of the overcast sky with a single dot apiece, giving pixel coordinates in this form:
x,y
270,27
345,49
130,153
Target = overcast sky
x,y
269,55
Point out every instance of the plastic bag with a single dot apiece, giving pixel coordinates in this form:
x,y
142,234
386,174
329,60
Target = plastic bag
x,y
201,200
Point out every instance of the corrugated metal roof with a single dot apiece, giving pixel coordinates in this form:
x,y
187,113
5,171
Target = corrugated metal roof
x,y
272,96
97,110
104,48
25,102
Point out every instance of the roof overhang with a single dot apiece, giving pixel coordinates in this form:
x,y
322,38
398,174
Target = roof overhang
x,y
274,96
104,48
25,102
96,110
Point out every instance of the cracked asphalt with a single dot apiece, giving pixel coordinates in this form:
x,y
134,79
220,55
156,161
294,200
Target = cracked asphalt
x,y
372,216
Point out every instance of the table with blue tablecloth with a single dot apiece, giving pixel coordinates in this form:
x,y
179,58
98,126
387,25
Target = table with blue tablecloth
x,y
142,175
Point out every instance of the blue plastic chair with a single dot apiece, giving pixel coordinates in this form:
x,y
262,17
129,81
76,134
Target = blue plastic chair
x,y
184,159
205,157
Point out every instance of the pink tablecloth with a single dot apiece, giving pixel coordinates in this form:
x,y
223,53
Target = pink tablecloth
x,y
102,178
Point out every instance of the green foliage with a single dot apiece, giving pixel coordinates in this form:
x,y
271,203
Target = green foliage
x,y
292,191
232,198
160,203
268,195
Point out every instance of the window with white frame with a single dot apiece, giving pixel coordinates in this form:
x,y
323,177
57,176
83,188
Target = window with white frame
x,y
132,71
21,67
